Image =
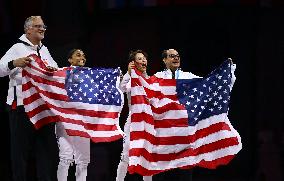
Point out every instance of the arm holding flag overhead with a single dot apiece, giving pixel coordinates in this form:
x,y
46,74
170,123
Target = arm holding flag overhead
x,y
233,68
125,84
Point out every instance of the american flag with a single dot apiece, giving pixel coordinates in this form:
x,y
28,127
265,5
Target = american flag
x,y
86,100
181,123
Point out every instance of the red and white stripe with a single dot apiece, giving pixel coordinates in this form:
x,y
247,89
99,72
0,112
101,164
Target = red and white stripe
x,y
160,138
46,100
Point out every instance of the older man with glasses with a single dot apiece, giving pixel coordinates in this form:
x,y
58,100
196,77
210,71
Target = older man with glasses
x,y
26,141
171,58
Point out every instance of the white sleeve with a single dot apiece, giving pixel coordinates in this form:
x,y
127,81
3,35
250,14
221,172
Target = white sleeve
x,y
125,84
159,74
10,55
187,75
233,68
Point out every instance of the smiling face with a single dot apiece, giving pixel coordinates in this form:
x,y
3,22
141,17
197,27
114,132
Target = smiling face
x,y
141,62
172,60
35,30
77,58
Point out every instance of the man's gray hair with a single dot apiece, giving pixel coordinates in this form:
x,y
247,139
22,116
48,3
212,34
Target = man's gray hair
x,y
29,21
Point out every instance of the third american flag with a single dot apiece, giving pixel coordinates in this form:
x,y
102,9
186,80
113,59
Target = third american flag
x,y
181,123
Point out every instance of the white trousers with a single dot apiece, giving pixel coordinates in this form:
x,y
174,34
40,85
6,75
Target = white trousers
x,y
123,164
72,149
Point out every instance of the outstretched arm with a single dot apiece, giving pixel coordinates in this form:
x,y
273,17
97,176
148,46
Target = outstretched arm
x,y
10,61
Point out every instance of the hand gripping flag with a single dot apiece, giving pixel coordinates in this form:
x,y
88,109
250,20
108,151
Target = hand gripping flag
x,y
86,100
181,123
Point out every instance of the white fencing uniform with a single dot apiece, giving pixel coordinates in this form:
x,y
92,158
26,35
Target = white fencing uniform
x,y
125,86
72,149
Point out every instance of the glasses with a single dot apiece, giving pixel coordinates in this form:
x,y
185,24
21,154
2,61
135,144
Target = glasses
x,y
174,56
40,26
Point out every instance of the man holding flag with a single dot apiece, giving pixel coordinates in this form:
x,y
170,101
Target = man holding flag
x,y
181,123
26,141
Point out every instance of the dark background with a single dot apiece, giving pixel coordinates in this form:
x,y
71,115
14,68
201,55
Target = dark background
x,y
204,32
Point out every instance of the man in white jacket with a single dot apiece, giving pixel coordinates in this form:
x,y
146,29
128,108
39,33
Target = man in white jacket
x,y
25,140
171,58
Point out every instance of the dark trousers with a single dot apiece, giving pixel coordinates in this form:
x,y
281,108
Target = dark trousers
x,y
28,144
174,175
104,160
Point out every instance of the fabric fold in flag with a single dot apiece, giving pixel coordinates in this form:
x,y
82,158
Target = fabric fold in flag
x,y
87,101
181,123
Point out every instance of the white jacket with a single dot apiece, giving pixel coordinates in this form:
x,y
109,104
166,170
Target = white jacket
x,y
20,50
179,74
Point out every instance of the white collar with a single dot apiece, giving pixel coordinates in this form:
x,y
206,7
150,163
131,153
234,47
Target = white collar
x,y
25,39
168,71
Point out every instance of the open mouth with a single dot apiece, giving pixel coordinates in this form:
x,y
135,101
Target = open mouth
x,y
41,33
82,61
144,65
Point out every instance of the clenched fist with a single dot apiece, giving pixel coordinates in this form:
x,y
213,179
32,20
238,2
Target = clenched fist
x,y
21,62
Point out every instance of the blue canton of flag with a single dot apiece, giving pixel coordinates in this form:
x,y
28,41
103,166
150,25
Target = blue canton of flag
x,y
93,85
181,123
208,97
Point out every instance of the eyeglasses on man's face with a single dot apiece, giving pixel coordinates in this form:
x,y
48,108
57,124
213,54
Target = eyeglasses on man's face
x,y
40,26
174,56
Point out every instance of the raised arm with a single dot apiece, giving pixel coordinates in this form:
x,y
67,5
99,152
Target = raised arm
x,y
125,83
233,68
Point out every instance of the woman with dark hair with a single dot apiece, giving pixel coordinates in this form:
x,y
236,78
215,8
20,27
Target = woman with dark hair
x,y
73,148
138,60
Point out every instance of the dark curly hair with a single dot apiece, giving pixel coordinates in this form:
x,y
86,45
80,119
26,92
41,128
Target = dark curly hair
x,y
132,54
71,52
